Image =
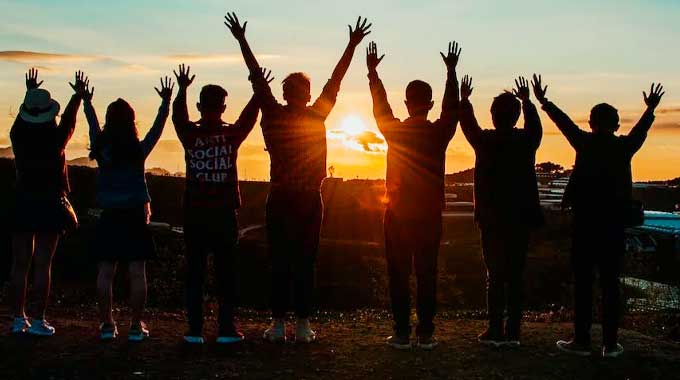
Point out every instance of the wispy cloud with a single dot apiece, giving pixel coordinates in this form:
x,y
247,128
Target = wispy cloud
x,y
55,62
21,56
668,110
215,58
667,125
366,141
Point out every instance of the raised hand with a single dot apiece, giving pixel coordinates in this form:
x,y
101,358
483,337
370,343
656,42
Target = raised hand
x,y
654,98
88,94
451,58
183,78
372,60
167,86
360,31
80,87
267,75
32,79
522,90
539,90
466,87
234,25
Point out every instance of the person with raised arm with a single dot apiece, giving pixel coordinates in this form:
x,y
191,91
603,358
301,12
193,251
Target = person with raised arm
x,y
42,212
295,137
122,234
416,155
211,200
600,195
506,201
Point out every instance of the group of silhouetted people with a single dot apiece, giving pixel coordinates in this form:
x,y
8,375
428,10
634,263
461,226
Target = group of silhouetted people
x,y
507,207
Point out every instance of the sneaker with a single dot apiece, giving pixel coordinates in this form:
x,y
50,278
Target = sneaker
x,y
193,338
41,327
612,353
488,338
574,348
399,341
229,336
276,331
20,325
427,342
138,332
108,331
303,332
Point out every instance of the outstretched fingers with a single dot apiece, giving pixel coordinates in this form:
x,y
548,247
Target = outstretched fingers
x,y
466,87
267,75
539,89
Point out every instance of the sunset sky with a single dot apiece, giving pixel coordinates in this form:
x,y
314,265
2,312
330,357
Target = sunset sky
x,y
588,52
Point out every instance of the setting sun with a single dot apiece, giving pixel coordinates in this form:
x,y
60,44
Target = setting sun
x,y
353,125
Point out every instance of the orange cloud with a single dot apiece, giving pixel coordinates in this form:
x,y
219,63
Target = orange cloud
x,y
21,56
366,141
668,110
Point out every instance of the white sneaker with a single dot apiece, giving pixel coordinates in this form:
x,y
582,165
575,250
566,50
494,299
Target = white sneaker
x,y
20,325
612,353
41,327
304,333
276,331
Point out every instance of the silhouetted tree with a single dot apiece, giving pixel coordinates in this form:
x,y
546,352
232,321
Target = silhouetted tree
x,y
549,168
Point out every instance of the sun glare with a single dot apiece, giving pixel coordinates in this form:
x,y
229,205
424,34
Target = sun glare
x,y
353,125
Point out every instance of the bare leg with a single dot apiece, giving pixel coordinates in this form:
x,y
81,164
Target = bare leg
x,y
45,246
107,272
22,251
137,273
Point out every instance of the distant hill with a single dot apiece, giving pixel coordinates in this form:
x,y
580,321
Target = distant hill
x,y
465,176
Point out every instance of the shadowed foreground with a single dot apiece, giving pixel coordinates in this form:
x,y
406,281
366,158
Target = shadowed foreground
x,y
350,346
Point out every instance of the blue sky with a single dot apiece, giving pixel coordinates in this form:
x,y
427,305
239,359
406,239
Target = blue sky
x,y
588,52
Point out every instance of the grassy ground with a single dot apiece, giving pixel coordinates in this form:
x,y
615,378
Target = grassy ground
x,y
350,346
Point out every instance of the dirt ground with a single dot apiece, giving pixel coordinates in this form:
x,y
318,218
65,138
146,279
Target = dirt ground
x,y
350,346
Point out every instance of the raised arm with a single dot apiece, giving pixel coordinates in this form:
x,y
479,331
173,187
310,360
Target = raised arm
x,y
382,111
31,84
247,119
239,32
91,116
180,112
325,102
638,134
468,122
448,119
568,128
67,124
256,75
532,122
154,134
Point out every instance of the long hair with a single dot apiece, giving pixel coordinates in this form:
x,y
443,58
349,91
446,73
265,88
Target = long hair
x,y
119,139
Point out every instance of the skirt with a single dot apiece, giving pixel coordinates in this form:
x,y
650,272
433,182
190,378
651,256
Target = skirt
x,y
123,235
39,214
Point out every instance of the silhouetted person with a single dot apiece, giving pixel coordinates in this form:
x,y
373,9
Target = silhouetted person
x,y
295,137
123,234
211,200
506,201
42,210
600,195
416,155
